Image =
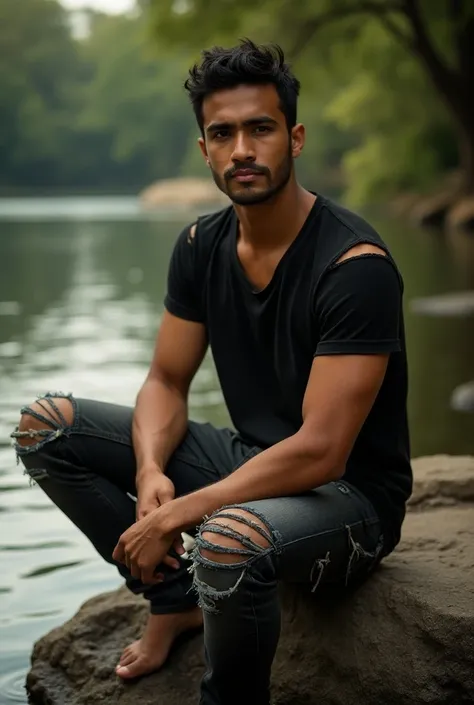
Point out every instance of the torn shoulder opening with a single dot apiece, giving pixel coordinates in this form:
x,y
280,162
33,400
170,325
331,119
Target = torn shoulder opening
x,y
191,234
364,249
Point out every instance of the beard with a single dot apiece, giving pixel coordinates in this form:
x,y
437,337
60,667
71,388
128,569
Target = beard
x,y
249,194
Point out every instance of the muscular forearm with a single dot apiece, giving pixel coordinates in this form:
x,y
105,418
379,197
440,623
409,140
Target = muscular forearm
x,y
159,423
290,467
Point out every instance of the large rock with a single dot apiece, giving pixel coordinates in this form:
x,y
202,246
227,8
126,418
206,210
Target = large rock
x,y
404,638
453,304
462,398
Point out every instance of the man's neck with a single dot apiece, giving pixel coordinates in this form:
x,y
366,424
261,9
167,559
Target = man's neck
x,y
277,222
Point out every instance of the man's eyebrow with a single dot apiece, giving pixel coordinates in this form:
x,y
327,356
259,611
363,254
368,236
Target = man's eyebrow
x,y
260,120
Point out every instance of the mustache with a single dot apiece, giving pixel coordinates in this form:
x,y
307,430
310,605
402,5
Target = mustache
x,y
254,168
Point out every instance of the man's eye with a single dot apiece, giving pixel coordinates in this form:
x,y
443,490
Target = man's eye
x,y
262,128
221,134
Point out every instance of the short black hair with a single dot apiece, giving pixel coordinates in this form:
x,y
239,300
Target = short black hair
x,y
246,63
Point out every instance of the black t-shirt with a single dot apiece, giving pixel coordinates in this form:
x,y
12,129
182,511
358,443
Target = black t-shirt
x,y
263,342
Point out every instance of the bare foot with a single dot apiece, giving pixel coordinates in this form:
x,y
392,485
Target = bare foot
x,y
151,651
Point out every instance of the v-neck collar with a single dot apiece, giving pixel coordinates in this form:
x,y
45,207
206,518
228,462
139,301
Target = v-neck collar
x,y
262,293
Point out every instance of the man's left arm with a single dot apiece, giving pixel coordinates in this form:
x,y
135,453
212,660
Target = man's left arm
x,y
359,307
339,395
359,310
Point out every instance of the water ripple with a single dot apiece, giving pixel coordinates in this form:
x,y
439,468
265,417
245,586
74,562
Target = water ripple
x,y
46,569
12,687
89,328
36,546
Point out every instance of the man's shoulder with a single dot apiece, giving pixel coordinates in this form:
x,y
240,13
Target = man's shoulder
x,y
201,236
351,226
211,224
344,234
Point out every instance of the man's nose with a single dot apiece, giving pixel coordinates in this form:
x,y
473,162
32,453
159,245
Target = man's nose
x,y
243,149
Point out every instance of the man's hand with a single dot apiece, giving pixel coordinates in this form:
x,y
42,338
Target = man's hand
x,y
144,546
154,489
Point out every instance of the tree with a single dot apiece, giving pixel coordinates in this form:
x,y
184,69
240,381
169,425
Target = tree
x,y
403,139
38,64
136,98
105,111
440,36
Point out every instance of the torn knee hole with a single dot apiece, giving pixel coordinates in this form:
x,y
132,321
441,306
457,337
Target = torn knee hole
x,y
46,419
226,544
232,536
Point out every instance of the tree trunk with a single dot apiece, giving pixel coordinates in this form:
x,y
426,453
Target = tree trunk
x,y
453,84
457,99
456,95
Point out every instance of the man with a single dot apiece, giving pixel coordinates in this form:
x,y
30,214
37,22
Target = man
x,y
301,304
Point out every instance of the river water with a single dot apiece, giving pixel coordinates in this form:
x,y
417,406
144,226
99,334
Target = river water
x,y
81,290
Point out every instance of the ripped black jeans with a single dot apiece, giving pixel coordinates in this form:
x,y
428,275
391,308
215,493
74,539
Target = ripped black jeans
x,y
328,536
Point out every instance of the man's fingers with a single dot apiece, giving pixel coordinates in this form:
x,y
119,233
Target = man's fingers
x,y
178,546
135,571
148,577
119,553
171,562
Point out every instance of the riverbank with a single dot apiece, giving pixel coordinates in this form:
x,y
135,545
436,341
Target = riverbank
x,y
444,207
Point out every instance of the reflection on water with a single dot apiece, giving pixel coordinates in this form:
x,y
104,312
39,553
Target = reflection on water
x,y
81,290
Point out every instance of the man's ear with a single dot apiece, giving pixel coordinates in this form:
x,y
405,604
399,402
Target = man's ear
x,y
298,136
202,147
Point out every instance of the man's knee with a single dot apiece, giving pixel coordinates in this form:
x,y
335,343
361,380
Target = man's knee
x,y
232,535
44,420
226,546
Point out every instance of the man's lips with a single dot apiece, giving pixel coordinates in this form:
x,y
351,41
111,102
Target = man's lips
x,y
245,175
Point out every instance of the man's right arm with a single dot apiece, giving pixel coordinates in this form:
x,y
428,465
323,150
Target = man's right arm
x,y
161,413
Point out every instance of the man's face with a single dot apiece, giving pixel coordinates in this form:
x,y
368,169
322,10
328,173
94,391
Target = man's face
x,y
247,143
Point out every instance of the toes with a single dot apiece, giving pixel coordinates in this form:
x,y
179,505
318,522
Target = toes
x,y
130,650
125,655
132,670
123,672
127,659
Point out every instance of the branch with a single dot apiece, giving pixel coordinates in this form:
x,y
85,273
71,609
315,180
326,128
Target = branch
x,y
443,77
377,9
463,37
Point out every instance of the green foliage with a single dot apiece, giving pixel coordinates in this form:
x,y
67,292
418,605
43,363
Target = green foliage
x,y
403,134
37,62
108,111
135,98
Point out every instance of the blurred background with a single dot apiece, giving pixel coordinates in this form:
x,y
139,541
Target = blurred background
x,y
93,113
